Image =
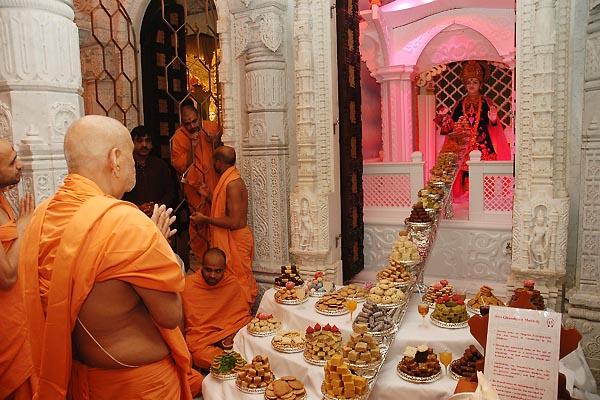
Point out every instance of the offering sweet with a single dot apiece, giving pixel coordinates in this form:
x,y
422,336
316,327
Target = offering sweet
x,y
451,310
484,298
361,348
419,362
228,362
536,297
419,214
289,273
465,366
288,341
322,343
256,375
318,285
385,292
290,293
396,274
375,318
285,388
437,290
263,323
331,303
403,250
340,382
352,291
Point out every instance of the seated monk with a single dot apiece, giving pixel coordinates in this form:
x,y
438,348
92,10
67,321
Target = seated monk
x,y
102,285
213,308
17,379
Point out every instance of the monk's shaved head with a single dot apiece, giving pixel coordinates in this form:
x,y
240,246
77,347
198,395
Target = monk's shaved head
x,y
214,263
10,165
100,148
225,154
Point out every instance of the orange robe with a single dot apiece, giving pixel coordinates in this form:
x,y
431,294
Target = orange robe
x,y
76,238
211,314
201,171
16,366
238,244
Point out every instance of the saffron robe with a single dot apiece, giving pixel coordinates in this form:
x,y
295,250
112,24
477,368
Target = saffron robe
x,y
238,244
16,365
211,314
201,171
76,238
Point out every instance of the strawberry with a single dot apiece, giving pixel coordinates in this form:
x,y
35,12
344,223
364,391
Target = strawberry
x,y
317,327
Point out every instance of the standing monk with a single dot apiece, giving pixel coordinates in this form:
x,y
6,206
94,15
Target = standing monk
x,y
228,221
101,282
16,366
192,149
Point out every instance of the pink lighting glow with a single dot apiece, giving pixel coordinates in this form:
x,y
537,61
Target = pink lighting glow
x,y
403,5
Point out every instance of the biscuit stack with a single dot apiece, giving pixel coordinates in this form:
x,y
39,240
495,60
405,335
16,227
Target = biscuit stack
x,y
286,388
288,340
353,291
263,323
361,348
322,343
484,297
403,250
255,375
289,273
332,302
438,289
340,382
396,274
290,293
385,292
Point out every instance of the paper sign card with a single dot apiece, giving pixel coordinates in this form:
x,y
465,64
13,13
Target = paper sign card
x,y
522,353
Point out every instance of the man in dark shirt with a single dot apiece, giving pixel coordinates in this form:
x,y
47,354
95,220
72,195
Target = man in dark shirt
x,y
154,181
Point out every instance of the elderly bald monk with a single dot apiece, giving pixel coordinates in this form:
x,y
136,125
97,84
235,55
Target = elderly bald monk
x,y
228,220
213,308
192,148
102,285
17,380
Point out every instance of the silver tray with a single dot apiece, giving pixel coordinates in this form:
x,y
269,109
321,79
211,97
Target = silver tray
x,y
409,263
371,366
224,377
470,309
252,391
312,361
448,325
301,398
291,302
263,334
422,225
416,379
341,311
391,305
439,184
453,374
318,294
287,350
328,397
384,333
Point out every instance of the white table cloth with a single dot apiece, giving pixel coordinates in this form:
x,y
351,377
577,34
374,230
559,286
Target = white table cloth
x,y
388,386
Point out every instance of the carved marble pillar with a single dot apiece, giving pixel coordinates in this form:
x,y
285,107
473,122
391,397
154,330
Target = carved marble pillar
x,y
541,209
584,302
259,33
314,201
40,82
397,112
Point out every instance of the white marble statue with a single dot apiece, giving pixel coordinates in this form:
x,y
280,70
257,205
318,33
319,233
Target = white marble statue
x,y
539,241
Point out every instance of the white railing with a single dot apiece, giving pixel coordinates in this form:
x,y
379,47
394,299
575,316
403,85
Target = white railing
x,y
391,188
491,189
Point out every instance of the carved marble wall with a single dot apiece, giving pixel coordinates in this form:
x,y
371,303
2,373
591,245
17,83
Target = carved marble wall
x,y
584,302
40,80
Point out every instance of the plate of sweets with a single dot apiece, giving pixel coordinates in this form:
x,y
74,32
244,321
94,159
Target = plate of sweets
x,y
438,289
465,367
263,325
398,275
322,343
226,365
254,377
529,289
379,321
419,365
289,273
291,341
331,304
353,291
484,297
404,252
341,383
291,294
450,312
385,294
285,388
319,286
361,351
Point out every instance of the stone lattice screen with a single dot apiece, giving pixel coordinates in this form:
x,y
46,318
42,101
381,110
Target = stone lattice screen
x,y
386,190
498,191
449,88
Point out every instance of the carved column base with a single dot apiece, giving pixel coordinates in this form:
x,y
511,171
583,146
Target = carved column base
x,y
549,283
584,314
